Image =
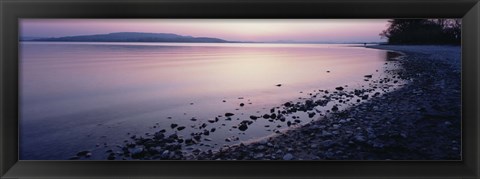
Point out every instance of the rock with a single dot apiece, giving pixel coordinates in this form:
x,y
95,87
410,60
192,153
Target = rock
x,y
365,97
448,123
326,134
326,143
273,116
173,126
288,156
211,120
193,119
311,114
229,114
258,156
181,128
82,153
253,117
241,104
159,135
260,147
368,76
137,150
165,154
243,127
359,138
339,88
334,108
278,85
266,116
287,104
173,136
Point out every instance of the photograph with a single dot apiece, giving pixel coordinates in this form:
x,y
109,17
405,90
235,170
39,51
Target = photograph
x,y
240,89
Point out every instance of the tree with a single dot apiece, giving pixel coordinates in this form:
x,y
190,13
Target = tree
x,y
423,31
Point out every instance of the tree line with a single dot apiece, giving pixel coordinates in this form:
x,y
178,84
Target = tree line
x,y
423,31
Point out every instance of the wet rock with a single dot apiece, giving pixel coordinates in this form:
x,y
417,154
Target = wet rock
x,y
287,104
181,128
158,135
334,108
273,116
365,97
206,132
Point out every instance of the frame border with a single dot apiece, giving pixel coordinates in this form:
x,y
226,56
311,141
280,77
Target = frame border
x,y
12,10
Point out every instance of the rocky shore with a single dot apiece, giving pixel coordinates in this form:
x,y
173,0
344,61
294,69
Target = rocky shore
x,y
413,113
420,121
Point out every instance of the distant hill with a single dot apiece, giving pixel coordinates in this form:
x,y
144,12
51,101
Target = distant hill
x,y
131,37
29,38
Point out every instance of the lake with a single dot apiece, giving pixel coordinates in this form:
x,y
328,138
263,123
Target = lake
x,y
96,96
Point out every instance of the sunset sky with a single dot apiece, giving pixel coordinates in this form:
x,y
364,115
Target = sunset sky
x,y
306,30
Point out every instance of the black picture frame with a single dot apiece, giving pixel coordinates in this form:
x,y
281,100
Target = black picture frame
x,y
12,10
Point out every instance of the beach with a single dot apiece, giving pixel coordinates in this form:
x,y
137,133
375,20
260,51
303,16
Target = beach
x,y
420,121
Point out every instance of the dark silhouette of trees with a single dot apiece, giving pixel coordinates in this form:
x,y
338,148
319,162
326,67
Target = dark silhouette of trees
x,y
423,31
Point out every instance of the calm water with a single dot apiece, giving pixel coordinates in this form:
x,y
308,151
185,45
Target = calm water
x,y
93,96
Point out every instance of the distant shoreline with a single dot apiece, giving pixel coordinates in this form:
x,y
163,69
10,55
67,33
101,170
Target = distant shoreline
x,y
230,42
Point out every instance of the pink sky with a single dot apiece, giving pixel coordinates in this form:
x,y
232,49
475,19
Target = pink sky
x,y
332,30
